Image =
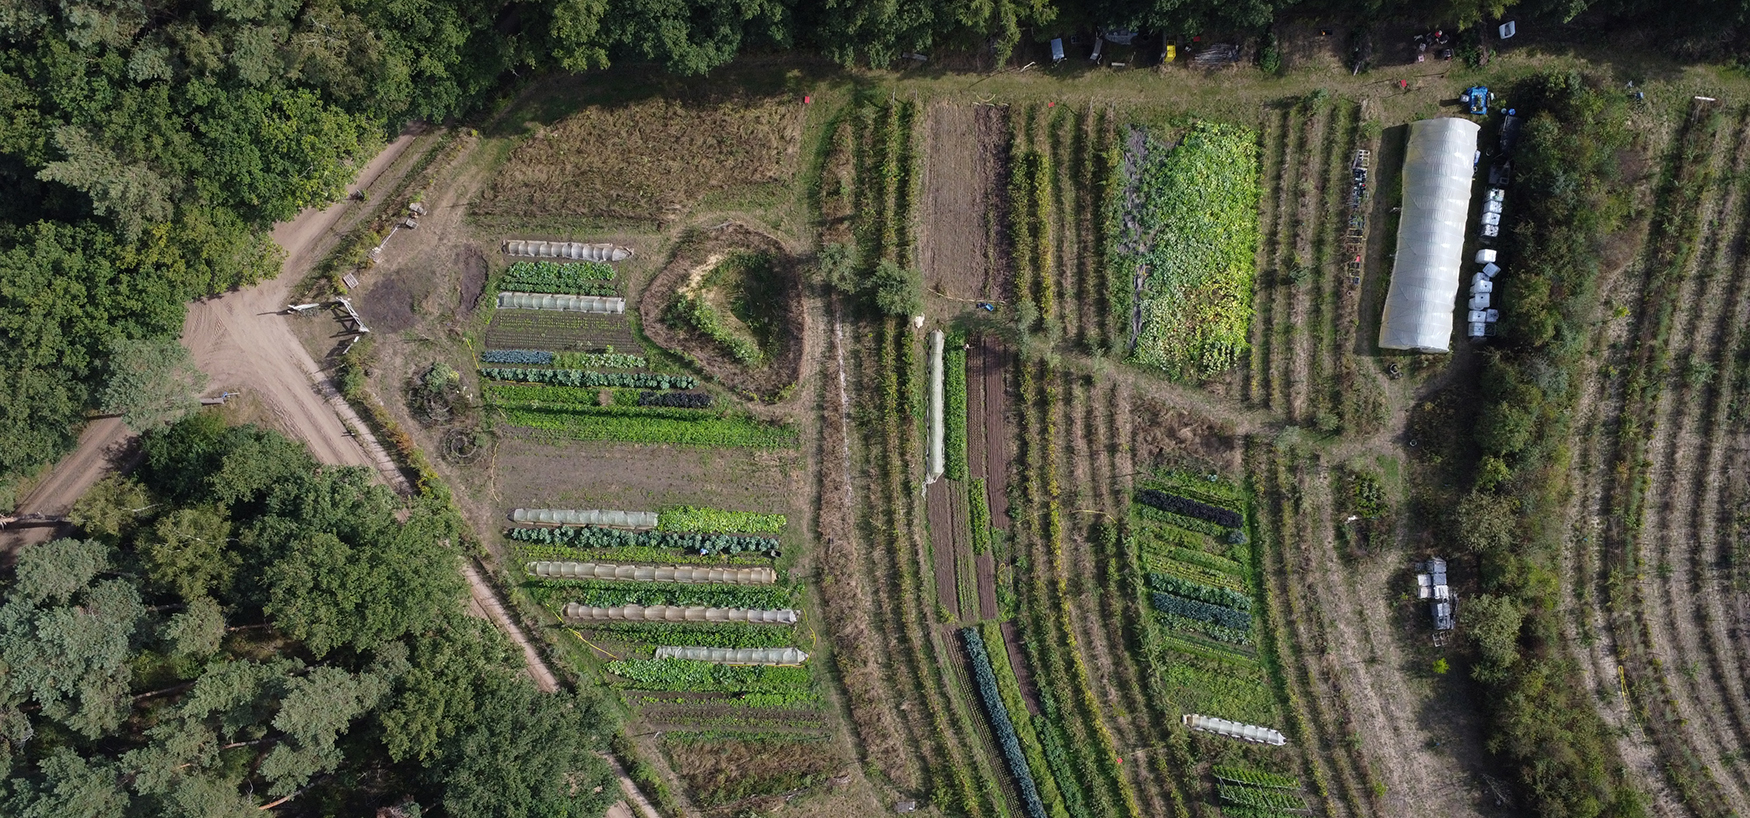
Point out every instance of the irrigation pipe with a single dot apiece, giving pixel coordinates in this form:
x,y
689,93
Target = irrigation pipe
x,y
579,634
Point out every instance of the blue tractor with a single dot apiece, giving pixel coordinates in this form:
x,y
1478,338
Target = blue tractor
x,y
1478,97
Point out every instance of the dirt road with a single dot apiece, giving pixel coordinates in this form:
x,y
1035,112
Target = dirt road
x,y
103,442
243,344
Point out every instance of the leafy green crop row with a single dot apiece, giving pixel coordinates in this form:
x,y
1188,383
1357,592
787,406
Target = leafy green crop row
x,y
1194,609
694,518
1256,797
1001,726
687,634
637,554
554,272
1010,688
704,677
601,594
954,407
978,515
596,537
1256,778
693,312
1205,593
702,430
1195,240
581,377
599,360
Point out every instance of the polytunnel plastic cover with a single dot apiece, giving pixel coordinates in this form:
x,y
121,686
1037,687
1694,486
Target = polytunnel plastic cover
x,y
1425,277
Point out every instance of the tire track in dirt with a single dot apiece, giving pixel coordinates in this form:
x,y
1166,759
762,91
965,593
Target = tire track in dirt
x,y
1673,613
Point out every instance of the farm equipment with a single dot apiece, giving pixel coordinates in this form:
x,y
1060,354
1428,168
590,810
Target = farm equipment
x,y
987,306
1478,98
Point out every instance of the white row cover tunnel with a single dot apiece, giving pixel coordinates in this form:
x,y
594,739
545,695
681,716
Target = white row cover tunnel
x,y
734,656
654,573
573,250
1234,729
1438,165
561,303
569,516
678,613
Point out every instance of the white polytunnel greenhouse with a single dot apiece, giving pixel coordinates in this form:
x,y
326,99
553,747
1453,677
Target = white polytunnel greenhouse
x,y
590,516
567,250
1425,279
1234,729
935,458
561,303
679,613
734,656
654,573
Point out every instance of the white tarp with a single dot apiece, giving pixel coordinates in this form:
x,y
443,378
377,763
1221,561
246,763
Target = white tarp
x,y
567,250
561,303
935,459
654,573
1234,729
677,613
585,516
734,656
1426,276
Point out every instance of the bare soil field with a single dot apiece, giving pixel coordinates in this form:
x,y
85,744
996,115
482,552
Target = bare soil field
x,y
987,435
946,540
770,380
959,216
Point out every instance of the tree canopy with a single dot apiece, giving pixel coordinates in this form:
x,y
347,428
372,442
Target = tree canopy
x,y
353,681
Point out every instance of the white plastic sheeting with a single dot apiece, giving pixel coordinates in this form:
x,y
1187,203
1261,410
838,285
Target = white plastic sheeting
x,y
561,303
654,573
734,656
567,250
1425,278
936,456
1234,729
679,613
571,516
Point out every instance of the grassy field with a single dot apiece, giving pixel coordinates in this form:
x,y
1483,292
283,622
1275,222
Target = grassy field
x,y
1097,609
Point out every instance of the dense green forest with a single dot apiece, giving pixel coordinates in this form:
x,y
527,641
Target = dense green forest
x,y
238,625
146,148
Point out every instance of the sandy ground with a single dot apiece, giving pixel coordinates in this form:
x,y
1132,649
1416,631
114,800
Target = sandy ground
x,y
103,444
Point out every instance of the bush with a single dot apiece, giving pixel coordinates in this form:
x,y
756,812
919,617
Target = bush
x,y
898,291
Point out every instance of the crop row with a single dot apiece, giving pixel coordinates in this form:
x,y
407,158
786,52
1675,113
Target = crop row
x,y
1256,778
1259,797
1025,728
599,594
1191,524
545,329
675,400
594,537
687,634
1030,199
1194,609
703,430
1220,633
1203,593
705,677
522,357
587,378
1159,563
1244,663
693,312
1224,517
695,518
954,406
978,515
1000,723
1215,492
552,272
1215,689
531,552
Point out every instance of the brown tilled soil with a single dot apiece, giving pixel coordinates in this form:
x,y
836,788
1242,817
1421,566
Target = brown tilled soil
x,y
944,537
473,284
1023,673
781,369
1167,434
726,771
964,158
387,306
988,446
